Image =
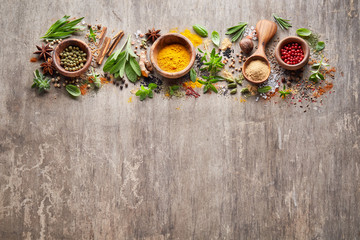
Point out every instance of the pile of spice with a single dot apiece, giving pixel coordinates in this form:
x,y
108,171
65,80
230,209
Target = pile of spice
x,y
72,58
257,70
292,53
173,58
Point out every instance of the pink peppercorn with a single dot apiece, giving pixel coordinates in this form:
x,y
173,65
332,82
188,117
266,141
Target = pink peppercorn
x,y
292,53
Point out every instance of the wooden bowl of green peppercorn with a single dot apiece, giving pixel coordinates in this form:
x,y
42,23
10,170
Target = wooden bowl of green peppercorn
x,y
72,57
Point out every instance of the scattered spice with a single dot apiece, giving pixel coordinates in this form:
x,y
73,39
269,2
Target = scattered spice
x,y
173,58
191,92
192,84
33,59
225,44
194,38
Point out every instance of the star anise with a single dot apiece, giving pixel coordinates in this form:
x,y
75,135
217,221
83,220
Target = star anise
x,y
48,66
44,51
152,35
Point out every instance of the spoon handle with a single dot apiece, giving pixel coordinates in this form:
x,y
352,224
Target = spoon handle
x,y
265,30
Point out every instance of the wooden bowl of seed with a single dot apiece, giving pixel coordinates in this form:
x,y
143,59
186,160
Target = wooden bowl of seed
x,y
72,57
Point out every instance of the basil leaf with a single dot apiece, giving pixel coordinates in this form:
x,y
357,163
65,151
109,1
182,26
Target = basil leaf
x,y
303,32
264,89
73,90
152,86
320,46
150,94
135,66
215,38
130,74
193,75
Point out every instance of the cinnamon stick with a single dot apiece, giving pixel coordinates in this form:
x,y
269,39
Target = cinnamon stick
x,y
104,48
117,39
102,35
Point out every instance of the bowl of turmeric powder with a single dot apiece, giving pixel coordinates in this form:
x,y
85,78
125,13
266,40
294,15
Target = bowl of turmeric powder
x,y
172,55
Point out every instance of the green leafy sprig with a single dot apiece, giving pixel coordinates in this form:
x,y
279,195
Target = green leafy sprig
x,y
40,82
95,78
123,62
193,75
283,23
146,92
284,93
213,65
317,75
264,89
236,31
92,35
63,28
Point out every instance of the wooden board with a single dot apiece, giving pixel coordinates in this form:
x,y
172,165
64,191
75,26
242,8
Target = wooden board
x,y
107,166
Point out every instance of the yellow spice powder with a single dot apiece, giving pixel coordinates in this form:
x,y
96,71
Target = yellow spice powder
x,y
173,58
257,70
194,38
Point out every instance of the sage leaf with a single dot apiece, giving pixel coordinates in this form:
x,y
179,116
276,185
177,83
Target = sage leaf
x,y
135,66
73,90
193,75
264,89
130,73
320,46
200,30
303,32
215,38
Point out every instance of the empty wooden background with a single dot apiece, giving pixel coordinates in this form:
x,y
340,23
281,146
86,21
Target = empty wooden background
x,y
101,167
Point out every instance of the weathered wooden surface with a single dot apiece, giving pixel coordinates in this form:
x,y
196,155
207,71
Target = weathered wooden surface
x,y
212,168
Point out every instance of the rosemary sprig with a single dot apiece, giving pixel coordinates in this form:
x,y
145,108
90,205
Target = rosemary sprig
x,y
236,31
62,28
283,23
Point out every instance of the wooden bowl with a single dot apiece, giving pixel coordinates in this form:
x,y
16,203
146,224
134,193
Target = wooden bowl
x,y
167,39
248,61
291,39
72,42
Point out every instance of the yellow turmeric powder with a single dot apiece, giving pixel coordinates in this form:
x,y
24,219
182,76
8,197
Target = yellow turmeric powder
x,y
173,58
194,38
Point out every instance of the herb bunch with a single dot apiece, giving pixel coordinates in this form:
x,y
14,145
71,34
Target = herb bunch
x,y
92,35
213,65
283,23
284,93
316,74
95,78
63,28
123,62
237,31
40,82
146,92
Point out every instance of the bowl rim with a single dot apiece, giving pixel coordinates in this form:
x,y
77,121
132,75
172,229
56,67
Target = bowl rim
x,y
62,70
179,73
297,40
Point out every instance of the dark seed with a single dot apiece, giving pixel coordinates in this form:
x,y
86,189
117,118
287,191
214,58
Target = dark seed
x,y
126,85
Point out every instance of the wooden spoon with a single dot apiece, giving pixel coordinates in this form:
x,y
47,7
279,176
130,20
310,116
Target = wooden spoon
x,y
265,30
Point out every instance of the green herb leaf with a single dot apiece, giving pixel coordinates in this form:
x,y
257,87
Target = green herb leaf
x,y
264,89
130,73
62,28
92,35
135,66
193,75
283,23
236,31
200,30
146,92
320,46
215,38
303,32
73,90
40,82
152,86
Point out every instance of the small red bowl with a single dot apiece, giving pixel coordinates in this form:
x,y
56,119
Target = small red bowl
x,y
292,39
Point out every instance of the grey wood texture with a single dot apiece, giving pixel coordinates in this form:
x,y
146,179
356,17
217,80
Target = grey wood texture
x,y
212,168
